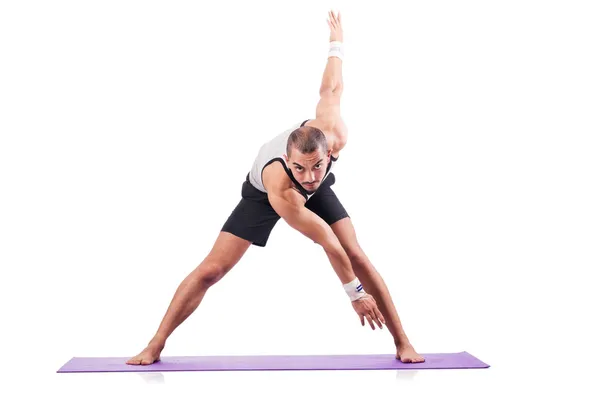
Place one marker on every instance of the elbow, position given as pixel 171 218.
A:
pixel 326 89
pixel 331 89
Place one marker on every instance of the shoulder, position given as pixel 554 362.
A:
pixel 278 184
pixel 275 178
pixel 335 131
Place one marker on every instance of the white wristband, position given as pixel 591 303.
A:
pixel 336 49
pixel 354 289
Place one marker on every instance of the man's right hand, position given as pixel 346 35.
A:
pixel 367 307
pixel 335 27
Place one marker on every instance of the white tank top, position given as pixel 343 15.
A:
pixel 274 150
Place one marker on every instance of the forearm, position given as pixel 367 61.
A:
pixel 341 263
pixel 290 206
pixel 332 76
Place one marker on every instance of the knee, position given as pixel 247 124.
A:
pixel 210 272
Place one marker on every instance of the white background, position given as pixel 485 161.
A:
pixel 471 173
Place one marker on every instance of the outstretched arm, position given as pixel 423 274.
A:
pixel 332 77
pixel 328 116
pixel 290 206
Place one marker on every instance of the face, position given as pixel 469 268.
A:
pixel 308 168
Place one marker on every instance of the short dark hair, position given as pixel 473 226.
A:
pixel 306 139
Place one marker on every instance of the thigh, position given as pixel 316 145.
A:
pixel 226 252
pixel 326 204
pixel 253 218
pixel 228 249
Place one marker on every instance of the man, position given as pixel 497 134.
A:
pixel 291 179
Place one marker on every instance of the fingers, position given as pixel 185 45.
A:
pixel 375 314
pixel 334 20
pixel 370 320
pixel 362 319
pixel 380 316
pixel 367 308
pixel 377 317
pixel 377 320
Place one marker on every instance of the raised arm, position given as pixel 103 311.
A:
pixel 328 116
pixel 332 82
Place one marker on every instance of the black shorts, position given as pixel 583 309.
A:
pixel 254 217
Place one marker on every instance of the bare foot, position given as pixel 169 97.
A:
pixel 407 354
pixel 148 356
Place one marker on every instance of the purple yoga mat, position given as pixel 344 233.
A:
pixel 265 363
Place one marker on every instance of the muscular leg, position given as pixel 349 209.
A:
pixel 226 252
pixel 374 285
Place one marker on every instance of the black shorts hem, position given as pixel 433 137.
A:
pixel 243 236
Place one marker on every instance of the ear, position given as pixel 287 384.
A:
pixel 286 157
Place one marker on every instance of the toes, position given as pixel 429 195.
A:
pixel 410 360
